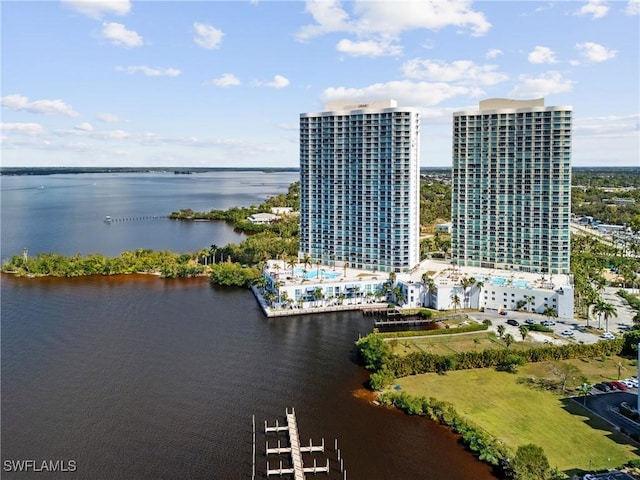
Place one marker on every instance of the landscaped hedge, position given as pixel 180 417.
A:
pixel 423 362
pixel 378 356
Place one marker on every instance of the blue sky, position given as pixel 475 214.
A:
pixel 222 83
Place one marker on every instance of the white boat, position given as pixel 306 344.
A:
pixel 107 219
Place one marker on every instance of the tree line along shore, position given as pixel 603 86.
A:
pixel 240 264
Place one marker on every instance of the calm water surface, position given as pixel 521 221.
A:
pixel 141 378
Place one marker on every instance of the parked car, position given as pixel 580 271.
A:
pixel 528 321
pixel 630 382
pixel 618 385
pixel 513 322
pixel 547 323
pixel 608 336
pixel 567 333
pixel 603 387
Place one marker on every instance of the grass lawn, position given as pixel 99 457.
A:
pixel 518 414
pixel 447 344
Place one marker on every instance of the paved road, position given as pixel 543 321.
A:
pixel 604 405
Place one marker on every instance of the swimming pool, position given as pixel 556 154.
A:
pixel 313 273
pixel 503 281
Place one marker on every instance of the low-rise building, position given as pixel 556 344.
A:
pixel 433 284
pixel 263 218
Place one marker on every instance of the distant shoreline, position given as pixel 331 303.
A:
pixel 173 170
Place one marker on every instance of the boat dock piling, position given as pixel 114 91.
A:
pixel 293 448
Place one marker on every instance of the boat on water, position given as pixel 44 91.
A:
pixel 107 219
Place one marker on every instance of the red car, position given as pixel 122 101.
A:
pixel 618 385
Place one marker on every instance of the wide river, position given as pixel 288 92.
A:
pixel 142 378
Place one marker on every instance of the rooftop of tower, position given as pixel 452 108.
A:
pixel 342 105
pixel 506 105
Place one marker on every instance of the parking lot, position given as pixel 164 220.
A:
pixel 574 329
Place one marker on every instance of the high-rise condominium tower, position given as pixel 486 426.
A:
pixel 359 185
pixel 511 198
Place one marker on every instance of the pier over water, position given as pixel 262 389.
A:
pixel 294 463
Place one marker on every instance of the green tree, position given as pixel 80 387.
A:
pixel 550 312
pixel 524 331
pixel 508 339
pixel 530 463
pixel 605 309
pixel 374 350
pixel 455 301
pixel 501 329
pixel 318 295
pixel 530 299
pixel 564 371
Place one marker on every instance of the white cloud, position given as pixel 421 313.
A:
pixel 330 17
pixel 368 48
pixel 278 82
pixel 226 80
pixel 633 7
pixel 405 92
pixel 84 127
pixel 207 36
pixel 149 72
pixel 31 129
pixel 595 8
pixel 46 107
pixel 118 35
pixel 96 8
pixel 611 126
pixel 460 71
pixel 541 86
pixel 594 52
pixel 108 117
pixel 493 53
pixel 542 55
pixel 389 19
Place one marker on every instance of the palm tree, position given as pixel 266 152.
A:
pixel 291 262
pixel 501 329
pixel 466 282
pixel 523 331
pixel 550 312
pixel 356 291
pixel 346 265
pixel 607 310
pixel 530 299
pixel 269 296
pixel 455 301
pixel 430 285
pixel 306 260
pixel 284 297
pixel 318 295
pixel 260 282
pixel 213 250
pixel 508 339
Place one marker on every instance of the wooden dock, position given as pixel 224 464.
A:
pixel 389 322
pixel 295 450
